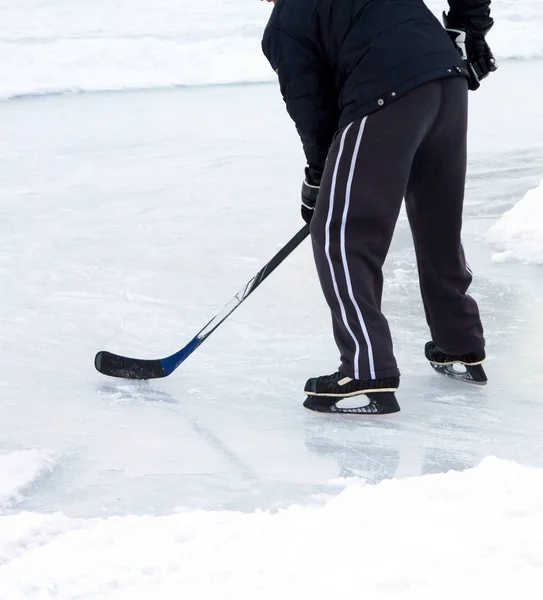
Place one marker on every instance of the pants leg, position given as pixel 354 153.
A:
pixel 434 203
pixel 361 194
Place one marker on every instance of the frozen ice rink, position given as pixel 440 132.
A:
pixel 127 220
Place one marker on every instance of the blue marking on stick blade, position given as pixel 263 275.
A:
pixel 171 363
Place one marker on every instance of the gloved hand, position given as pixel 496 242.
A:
pixel 473 48
pixel 310 191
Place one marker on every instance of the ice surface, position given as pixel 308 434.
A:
pixel 126 221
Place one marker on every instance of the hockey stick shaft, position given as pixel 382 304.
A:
pixel 134 368
pixel 172 363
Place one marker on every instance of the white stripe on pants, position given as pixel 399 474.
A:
pixel 344 252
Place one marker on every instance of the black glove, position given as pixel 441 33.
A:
pixel 310 191
pixel 473 48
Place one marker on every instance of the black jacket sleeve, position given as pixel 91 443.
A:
pixel 307 89
pixel 474 14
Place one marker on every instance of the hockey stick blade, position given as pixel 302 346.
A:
pixel 116 365
pixel 127 368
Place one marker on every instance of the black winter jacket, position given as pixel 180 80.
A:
pixel 339 60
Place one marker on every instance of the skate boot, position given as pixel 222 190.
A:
pixel 324 392
pixel 463 367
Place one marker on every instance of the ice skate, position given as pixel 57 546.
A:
pixel 323 394
pixel 463 367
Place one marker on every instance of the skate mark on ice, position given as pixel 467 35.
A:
pixel 411 461
pixel 138 391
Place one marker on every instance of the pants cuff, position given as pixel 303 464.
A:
pixel 473 346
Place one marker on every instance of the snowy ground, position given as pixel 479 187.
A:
pixel 452 536
pixel 126 221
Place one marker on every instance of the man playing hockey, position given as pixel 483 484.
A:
pixel 378 93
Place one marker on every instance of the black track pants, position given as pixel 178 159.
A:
pixel 414 148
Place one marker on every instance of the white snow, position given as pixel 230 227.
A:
pixel 476 534
pixel 68 47
pixel 86 65
pixel 519 232
pixel 19 471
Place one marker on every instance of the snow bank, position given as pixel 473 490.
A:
pixel 120 61
pixel 19 470
pixel 516 40
pixel 476 534
pixel 519 232
pixel 105 64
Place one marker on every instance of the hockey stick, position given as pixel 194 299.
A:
pixel 115 365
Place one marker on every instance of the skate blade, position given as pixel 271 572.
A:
pixel 473 373
pixel 380 404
